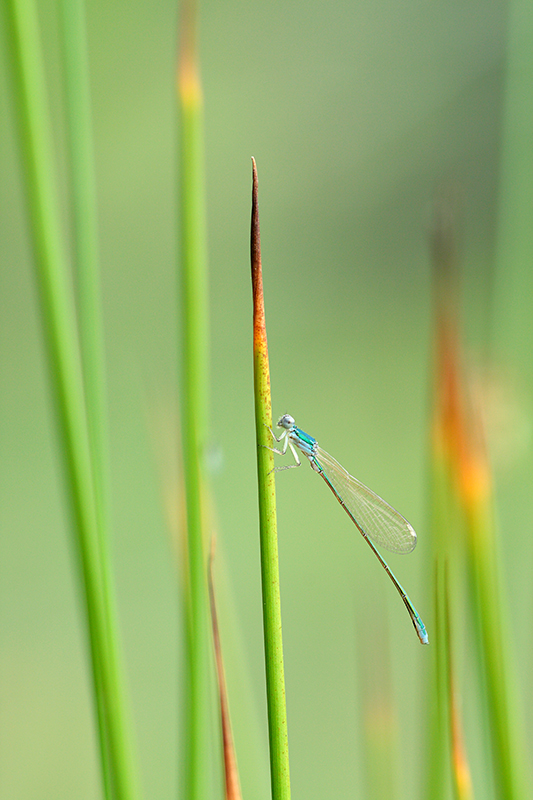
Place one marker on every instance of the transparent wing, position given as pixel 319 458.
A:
pixel 380 521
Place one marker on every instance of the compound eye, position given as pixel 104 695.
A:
pixel 286 421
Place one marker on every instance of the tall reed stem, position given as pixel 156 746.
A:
pixel 61 336
pixel 194 383
pixel 277 713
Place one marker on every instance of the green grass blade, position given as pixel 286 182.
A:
pixel 231 772
pixel 466 543
pixel 86 262
pixel 63 353
pixel 194 383
pixel 462 780
pixel 445 516
pixel 512 345
pixel 506 727
pixel 277 713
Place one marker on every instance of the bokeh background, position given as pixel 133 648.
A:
pixel 359 115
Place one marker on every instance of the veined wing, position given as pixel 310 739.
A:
pixel 380 521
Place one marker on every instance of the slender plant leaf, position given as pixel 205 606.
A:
pixel 61 337
pixel 277 712
pixel 231 774
pixel 462 778
pixel 86 262
pixel 466 488
pixel 446 521
pixel 506 727
pixel 194 391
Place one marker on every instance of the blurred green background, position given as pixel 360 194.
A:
pixel 358 116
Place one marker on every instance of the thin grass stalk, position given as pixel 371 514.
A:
pixel 445 517
pixel 231 772
pixel 61 338
pixel 448 766
pixel 85 239
pixel 194 383
pixel 462 780
pixel 470 493
pixel 460 438
pixel 438 774
pixel 86 263
pixel 85 258
pixel 506 729
pixel 275 680
pixel 511 345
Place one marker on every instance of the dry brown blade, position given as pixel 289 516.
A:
pixel 233 789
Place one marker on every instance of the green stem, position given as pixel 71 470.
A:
pixel 194 402
pixel 82 172
pixel 63 352
pixel 275 680
pixel 506 729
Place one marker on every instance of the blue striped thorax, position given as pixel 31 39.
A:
pixel 305 442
